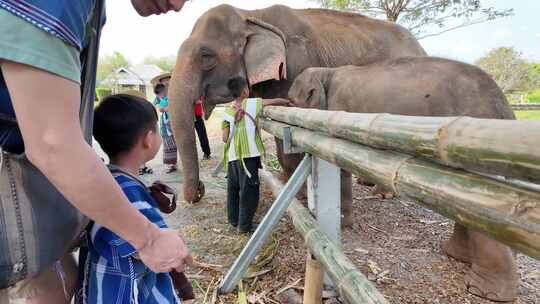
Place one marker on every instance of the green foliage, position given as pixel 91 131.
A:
pixel 533 96
pixel 527 115
pixel 166 63
pixel 533 78
pixel 507 68
pixel 420 15
pixel 108 64
pixel 102 93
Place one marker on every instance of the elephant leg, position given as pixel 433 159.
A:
pixel 493 274
pixel 289 163
pixel 346 199
pixel 458 244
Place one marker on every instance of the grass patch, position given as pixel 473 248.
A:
pixel 527 115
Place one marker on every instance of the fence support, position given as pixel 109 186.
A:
pixel 351 284
pixel 264 229
pixel 313 281
pixel 324 200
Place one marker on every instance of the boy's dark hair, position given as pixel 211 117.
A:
pixel 236 85
pixel 120 120
pixel 159 88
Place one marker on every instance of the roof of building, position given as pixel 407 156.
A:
pixel 140 74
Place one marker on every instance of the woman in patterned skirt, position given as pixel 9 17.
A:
pixel 170 152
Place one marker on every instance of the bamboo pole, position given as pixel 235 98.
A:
pixel 505 212
pixel 350 283
pixel 501 147
pixel 313 285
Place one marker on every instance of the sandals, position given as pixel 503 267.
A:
pixel 145 170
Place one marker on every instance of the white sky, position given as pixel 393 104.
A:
pixel 138 37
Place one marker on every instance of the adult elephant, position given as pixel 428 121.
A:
pixel 424 86
pixel 269 47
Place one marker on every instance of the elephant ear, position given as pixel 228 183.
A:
pixel 265 53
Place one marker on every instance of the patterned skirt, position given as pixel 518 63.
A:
pixel 170 152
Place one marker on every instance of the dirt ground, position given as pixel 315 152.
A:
pixel 395 243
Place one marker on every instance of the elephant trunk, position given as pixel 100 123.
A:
pixel 184 90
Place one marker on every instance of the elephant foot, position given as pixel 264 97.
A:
pixel 491 286
pixel 458 245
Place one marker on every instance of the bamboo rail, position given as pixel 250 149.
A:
pixel 350 282
pixel 501 147
pixel 505 212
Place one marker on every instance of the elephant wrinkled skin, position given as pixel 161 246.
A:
pixel 269 47
pixel 424 86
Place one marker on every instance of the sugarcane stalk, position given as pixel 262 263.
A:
pixel 505 212
pixel 509 148
pixel 350 283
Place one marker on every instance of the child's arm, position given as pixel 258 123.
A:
pixel 276 102
pixel 225 135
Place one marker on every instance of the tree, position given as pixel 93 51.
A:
pixel 424 18
pixel 533 79
pixel 507 68
pixel 166 63
pixel 108 64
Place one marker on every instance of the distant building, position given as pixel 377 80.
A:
pixel 134 78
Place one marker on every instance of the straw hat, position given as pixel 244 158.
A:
pixel 160 77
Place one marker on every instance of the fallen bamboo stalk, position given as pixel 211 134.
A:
pixel 505 212
pixel 350 282
pixel 494 146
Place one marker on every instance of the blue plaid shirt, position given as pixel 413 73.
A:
pixel 111 273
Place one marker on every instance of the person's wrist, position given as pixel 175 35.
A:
pixel 145 240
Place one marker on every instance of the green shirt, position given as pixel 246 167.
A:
pixel 244 139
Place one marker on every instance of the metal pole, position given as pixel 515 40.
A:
pixel 324 200
pixel 271 218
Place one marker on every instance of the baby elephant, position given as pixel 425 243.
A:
pixel 422 86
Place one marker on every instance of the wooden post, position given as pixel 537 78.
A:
pixel 313 286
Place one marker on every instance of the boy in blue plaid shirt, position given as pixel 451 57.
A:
pixel 126 128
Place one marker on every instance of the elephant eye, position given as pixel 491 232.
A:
pixel 208 60
pixel 310 94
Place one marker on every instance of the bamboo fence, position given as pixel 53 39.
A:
pixel 505 212
pixel 350 282
pixel 500 147
pixel 525 106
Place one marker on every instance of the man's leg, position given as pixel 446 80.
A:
pixel 203 137
pixel 233 198
pixel 249 193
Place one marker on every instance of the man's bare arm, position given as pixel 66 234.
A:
pixel 276 102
